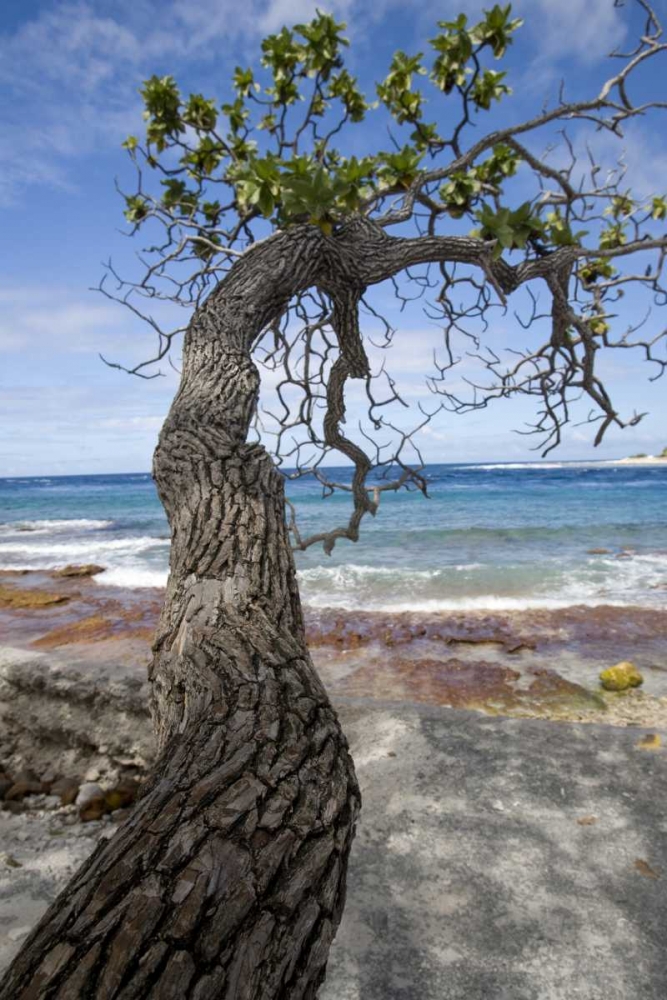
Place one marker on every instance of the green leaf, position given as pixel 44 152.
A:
pixel 659 208
pixel 200 113
pixel 459 193
pixel 212 210
pixel 265 200
pixel 344 87
pixel 593 270
pixel 489 87
pixel 512 229
pixel 621 206
pixel 496 29
pixel 203 160
pixel 323 42
pixel 396 92
pixel 454 47
pixel 136 209
pixel 163 103
pixel 613 237
pixel 237 113
pixel 560 233
pixel 243 81
pixel 401 167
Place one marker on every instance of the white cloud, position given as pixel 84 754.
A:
pixel 587 29
pixel 87 429
pixel 68 321
pixel 72 71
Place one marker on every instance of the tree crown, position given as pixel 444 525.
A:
pixel 485 217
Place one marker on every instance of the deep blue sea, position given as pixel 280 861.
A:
pixel 490 536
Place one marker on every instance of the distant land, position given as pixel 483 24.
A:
pixel 642 459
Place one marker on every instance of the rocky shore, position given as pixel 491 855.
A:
pixel 76 739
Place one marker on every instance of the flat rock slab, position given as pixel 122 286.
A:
pixel 473 876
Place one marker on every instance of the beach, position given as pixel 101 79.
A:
pixel 507 590
pixel 501 598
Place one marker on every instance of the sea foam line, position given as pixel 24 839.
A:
pixel 55 525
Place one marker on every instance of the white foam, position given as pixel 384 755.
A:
pixel 636 580
pixel 56 525
pixel 134 577
pixel 487 602
pixel 90 548
pixel 495 466
pixel 348 574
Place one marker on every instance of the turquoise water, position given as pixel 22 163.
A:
pixel 501 536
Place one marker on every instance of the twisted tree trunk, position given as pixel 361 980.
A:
pixel 228 879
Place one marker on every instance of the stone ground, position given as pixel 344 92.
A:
pixel 496 859
pixel 503 859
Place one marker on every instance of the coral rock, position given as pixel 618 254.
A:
pixel 621 677
pixel 87 792
pixel 25 783
pixel 89 569
pixel 11 597
pixel 67 789
pixel 123 795
pixel 93 809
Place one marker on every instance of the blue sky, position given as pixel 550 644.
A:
pixel 69 76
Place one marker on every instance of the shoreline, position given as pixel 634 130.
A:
pixel 74 703
pixel 629 459
pixel 637 460
pixel 534 662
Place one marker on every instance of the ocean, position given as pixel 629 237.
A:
pixel 502 536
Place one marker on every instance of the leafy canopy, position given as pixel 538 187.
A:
pixel 493 210
pixel 269 151
pixel 270 148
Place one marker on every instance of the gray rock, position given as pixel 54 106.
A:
pixel 87 792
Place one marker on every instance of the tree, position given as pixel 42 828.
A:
pixel 228 879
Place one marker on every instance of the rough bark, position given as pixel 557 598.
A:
pixel 228 879
pixel 227 882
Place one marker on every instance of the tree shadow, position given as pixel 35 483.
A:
pixel 473 875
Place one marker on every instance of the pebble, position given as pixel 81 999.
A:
pixel 36 801
pixel 88 791
pixel 9 861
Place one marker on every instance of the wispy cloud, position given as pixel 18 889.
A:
pixel 62 322
pixel 587 30
pixel 70 73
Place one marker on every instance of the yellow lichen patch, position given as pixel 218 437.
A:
pixel 649 742
pixel 13 597
pixel 621 677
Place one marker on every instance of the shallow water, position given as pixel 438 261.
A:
pixel 490 536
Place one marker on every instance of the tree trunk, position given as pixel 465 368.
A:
pixel 228 879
